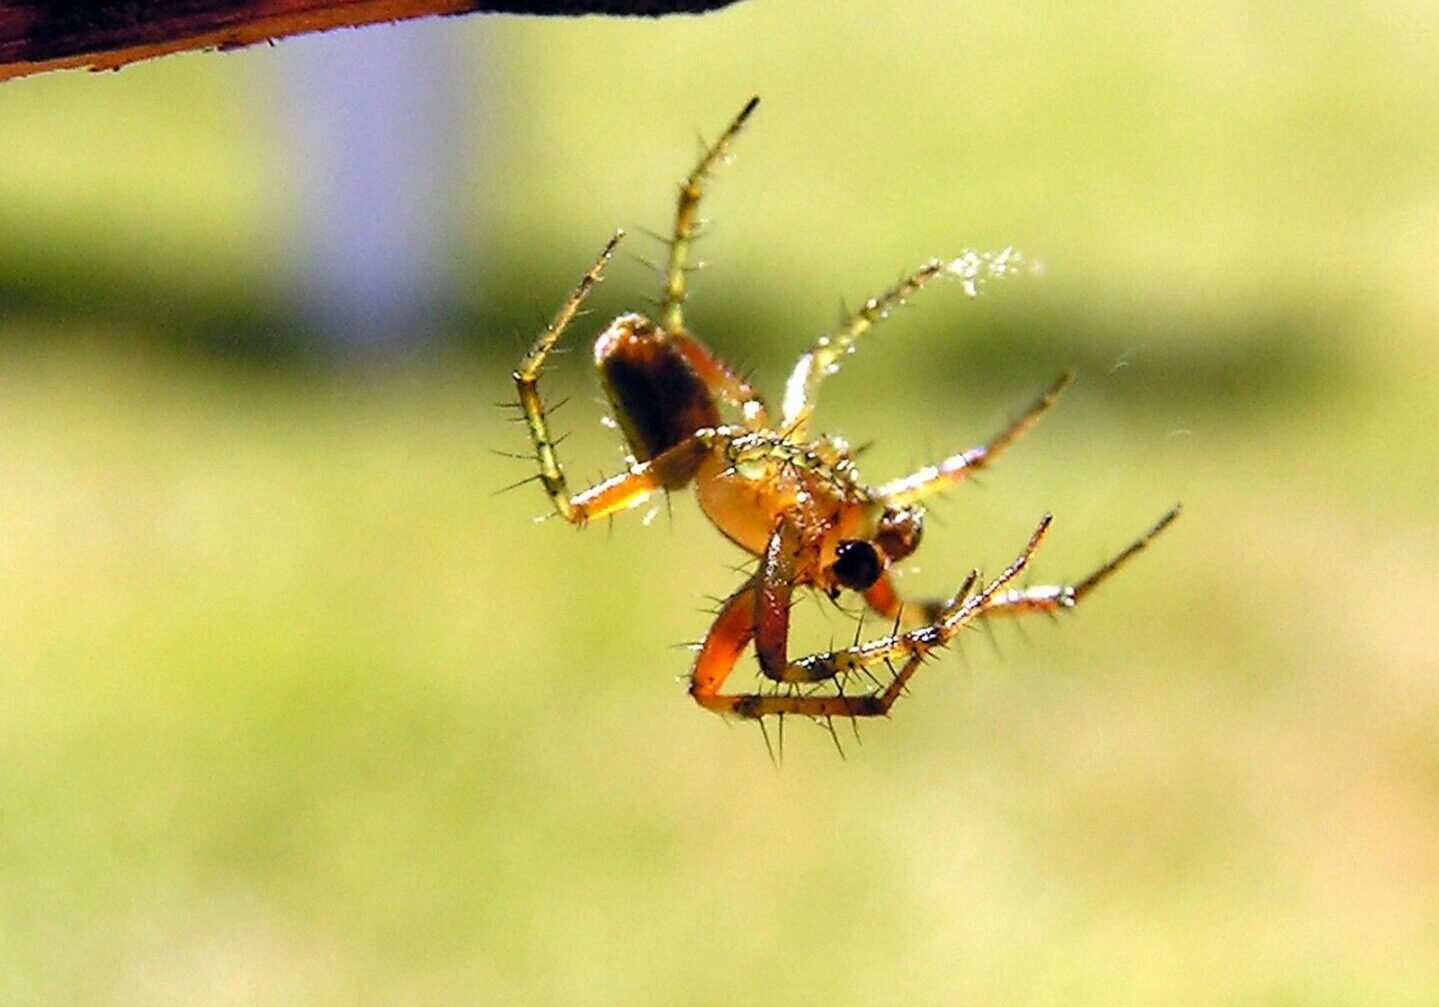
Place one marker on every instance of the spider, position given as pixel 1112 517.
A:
pixel 794 502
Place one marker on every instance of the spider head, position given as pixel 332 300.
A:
pixel 859 563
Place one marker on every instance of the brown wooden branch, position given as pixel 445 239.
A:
pixel 37 35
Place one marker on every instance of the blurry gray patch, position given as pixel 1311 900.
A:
pixel 370 117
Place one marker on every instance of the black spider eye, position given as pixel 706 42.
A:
pixel 856 564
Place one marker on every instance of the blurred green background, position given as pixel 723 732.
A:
pixel 297 711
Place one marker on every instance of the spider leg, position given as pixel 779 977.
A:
pixel 881 597
pixel 822 359
pixel 735 627
pixel 672 310
pixel 775 582
pixel 934 479
pixel 670 469
pixel 1054 597
pixel 527 382
pixel 667 470
pixel 727 638
pixel 722 380
pixel 759 611
pixel 952 617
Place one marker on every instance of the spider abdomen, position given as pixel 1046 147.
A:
pixel 657 397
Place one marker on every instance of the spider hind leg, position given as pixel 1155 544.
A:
pixel 691 191
pixel 669 468
pixel 527 382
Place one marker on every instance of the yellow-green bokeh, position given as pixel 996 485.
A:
pixel 298 711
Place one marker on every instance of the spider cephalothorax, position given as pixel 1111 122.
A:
pixel 796 503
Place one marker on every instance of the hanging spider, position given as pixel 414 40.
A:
pixel 795 503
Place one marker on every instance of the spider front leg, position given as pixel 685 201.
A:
pixel 727 638
pixel 759 611
pixel 1055 597
pixel 883 599
pixel 910 649
pixel 735 627
pixel 775 580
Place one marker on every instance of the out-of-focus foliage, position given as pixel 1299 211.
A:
pixel 297 711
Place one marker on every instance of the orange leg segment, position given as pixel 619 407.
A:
pixel 882 598
pixel 669 469
pixel 776 588
pixel 722 380
pixel 731 633
pixel 726 641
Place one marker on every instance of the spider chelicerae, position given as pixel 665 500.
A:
pixel 795 503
